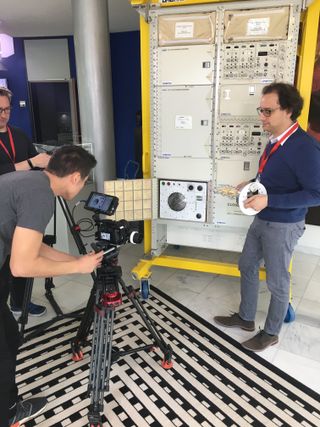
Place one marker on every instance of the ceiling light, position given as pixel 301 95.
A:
pixel 6 46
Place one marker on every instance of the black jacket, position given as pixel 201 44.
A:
pixel 23 146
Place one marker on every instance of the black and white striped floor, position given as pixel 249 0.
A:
pixel 213 382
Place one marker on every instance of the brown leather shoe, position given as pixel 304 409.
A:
pixel 235 321
pixel 260 342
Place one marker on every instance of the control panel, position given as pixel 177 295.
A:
pixel 254 61
pixel 238 141
pixel 183 200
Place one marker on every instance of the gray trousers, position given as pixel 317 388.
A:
pixel 274 243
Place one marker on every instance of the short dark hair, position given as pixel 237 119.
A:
pixel 69 159
pixel 289 97
pixel 5 92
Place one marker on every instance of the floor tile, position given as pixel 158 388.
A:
pixel 301 368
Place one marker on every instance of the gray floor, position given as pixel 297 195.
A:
pixel 297 353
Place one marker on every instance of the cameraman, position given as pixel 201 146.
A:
pixel 17 153
pixel 27 204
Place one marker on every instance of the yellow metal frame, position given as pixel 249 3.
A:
pixel 142 269
pixel 307 55
pixel 146 132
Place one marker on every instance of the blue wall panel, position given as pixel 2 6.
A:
pixel 125 59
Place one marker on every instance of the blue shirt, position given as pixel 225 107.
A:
pixel 292 179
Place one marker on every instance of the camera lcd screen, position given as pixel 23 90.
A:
pixel 102 203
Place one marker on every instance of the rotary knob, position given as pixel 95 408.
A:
pixel 177 202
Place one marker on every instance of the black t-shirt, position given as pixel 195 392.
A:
pixel 23 146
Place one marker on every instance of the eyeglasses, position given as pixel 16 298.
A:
pixel 266 111
pixel 5 110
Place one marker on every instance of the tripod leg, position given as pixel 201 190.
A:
pixel 151 326
pixel 84 328
pixel 48 284
pixel 23 319
pixel 100 362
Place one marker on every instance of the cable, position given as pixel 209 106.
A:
pixel 85 220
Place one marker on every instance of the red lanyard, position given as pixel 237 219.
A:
pixel 13 149
pixel 265 157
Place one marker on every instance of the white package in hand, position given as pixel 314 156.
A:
pixel 248 191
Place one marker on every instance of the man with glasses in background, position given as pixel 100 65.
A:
pixel 17 153
pixel 289 169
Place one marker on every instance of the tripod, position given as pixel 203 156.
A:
pixel 107 298
pixel 104 298
pixel 51 240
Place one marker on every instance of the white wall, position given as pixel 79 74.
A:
pixel 47 59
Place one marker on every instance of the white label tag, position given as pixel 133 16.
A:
pixel 226 94
pixel 252 90
pixel 165 155
pixel 183 122
pixel 184 30
pixel 258 27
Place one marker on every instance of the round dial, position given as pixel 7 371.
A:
pixel 177 201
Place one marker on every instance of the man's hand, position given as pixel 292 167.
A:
pixel 41 160
pixel 88 263
pixel 257 202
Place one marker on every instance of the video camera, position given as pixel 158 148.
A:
pixel 111 232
